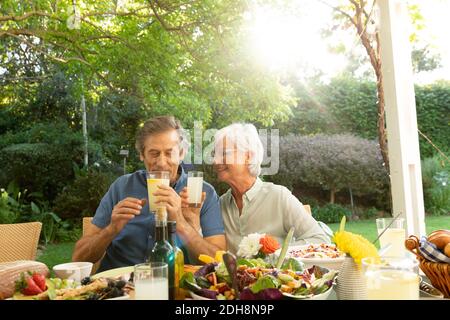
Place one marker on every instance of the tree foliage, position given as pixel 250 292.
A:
pixel 173 57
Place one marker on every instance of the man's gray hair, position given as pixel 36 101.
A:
pixel 246 138
pixel 158 125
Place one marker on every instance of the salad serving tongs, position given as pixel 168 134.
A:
pixel 284 248
pixel 231 264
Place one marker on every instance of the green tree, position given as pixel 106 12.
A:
pixel 173 57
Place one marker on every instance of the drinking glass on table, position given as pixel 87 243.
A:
pixel 391 278
pixel 155 178
pixel 151 281
pixel 195 187
pixel 395 235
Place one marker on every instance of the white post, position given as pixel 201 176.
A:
pixel 401 120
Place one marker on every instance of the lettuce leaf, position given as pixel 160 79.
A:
pixel 188 282
pixel 293 264
pixel 265 282
pixel 252 262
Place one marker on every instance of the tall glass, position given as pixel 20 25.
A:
pixel 151 281
pixel 195 187
pixel 394 235
pixel 391 278
pixel 154 178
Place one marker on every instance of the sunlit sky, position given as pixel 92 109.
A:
pixel 287 39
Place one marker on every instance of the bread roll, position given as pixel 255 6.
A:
pixel 11 271
pixel 447 250
pixel 440 238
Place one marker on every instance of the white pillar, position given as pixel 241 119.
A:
pixel 401 120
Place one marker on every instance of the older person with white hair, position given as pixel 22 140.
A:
pixel 251 205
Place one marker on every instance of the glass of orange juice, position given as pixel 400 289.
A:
pixel 391 278
pixel 155 178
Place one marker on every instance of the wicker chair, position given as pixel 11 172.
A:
pixel 307 208
pixel 87 223
pixel 19 241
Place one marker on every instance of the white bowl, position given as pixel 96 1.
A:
pixel 322 296
pixel 329 263
pixel 73 270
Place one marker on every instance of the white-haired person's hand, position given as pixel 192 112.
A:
pixel 191 214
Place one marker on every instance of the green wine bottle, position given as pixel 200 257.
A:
pixel 179 293
pixel 162 251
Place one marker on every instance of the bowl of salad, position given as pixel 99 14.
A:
pixel 257 280
pixel 323 255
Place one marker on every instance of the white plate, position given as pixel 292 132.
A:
pixel 114 273
pixel 197 297
pixel 322 296
pixel 124 297
pixel 329 263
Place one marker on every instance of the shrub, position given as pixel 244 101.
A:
pixel 9 208
pixel 68 234
pixel 37 167
pixel 50 221
pixel 435 182
pixel 368 213
pixel 41 158
pixel 348 105
pixel 332 163
pixel 82 197
pixel 331 213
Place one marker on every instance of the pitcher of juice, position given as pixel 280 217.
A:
pixel 391 278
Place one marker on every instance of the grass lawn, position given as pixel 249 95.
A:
pixel 368 229
pixel 54 254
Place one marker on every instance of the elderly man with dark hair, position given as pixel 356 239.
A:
pixel 251 205
pixel 123 228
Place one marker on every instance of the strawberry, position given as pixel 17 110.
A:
pixel 32 288
pixel 27 285
pixel 39 279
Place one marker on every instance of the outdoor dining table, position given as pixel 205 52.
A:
pixel 118 272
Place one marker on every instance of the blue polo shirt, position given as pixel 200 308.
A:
pixel 132 244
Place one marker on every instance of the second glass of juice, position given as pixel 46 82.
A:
pixel 195 187
pixel 395 235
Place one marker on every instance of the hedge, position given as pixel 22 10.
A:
pixel 348 105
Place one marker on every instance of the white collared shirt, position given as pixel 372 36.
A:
pixel 271 209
